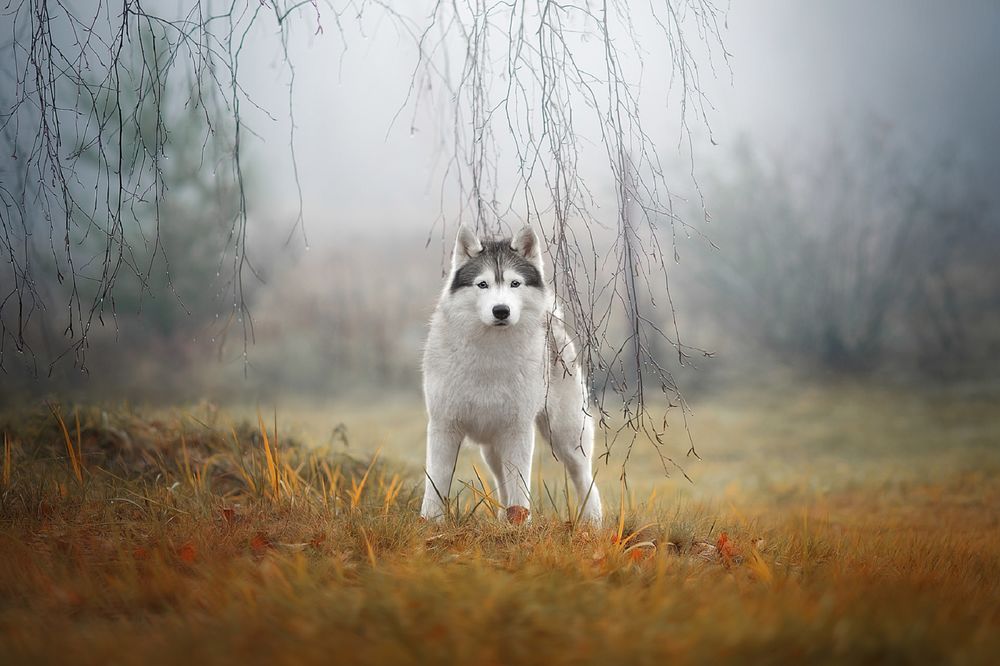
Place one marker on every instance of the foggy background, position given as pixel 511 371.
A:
pixel 850 191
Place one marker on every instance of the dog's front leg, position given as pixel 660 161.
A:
pixel 517 453
pixel 443 442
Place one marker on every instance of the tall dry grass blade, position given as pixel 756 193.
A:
pixel 368 546
pixel 271 459
pixel 392 492
pixel 464 512
pixel 756 564
pixel 291 477
pixel 199 477
pixel 79 436
pixel 583 504
pixel 6 460
pixel 634 534
pixel 569 507
pixel 186 459
pixel 621 514
pixel 552 501
pixel 73 460
pixel 486 488
pixel 358 488
pixel 538 478
pixel 333 478
pixel 446 501
pixel 481 497
pixel 247 475
pixel 640 544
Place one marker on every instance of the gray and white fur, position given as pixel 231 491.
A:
pixel 498 361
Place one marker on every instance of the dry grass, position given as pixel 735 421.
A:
pixel 127 539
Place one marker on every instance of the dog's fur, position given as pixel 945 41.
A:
pixel 498 361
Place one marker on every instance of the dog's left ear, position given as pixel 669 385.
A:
pixel 526 244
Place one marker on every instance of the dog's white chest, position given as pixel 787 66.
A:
pixel 486 390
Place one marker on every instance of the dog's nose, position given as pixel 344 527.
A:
pixel 501 311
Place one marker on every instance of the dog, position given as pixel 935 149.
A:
pixel 497 362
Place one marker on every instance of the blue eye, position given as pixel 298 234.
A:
pixel 515 284
pixel 482 285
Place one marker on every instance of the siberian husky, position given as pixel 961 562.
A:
pixel 498 361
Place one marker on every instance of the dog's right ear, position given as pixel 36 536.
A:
pixel 467 245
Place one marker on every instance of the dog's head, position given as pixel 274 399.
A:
pixel 500 279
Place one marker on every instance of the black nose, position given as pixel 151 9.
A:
pixel 501 311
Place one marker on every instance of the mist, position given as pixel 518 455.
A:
pixel 797 75
pixel 354 210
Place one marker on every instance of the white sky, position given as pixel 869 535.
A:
pixel 801 70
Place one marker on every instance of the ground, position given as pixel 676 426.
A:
pixel 841 523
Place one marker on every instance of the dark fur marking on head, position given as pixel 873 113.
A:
pixel 466 273
pixel 498 255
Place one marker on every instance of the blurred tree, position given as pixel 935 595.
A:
pixel 177 217
pixel 189 227
pixel 856 258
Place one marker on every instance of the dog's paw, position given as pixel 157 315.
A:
pixel 518 515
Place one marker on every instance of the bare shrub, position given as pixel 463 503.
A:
pixel 869 254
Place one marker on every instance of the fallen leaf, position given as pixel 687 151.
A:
pixel 517 515
pixel 726 547
pixel 187 553
pixel 638 554
pixel 259 543
pixel 437 633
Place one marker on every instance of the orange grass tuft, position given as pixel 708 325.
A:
pixel 73 452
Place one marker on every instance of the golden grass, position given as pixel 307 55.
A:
pixel 218 544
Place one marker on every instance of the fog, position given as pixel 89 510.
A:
pixel 800 73
pixel 838 196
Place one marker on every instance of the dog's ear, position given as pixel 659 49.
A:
pixel 466 245
pixel 526 244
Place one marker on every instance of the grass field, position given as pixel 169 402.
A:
pixel 829 524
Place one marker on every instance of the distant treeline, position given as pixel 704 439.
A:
pixel 870 255
pixel 866 257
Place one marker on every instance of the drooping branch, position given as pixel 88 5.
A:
pixel 86 119
pixel 537 104
pixel 546 116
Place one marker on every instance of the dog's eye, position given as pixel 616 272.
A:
pixel 482 285
pixel 515 284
